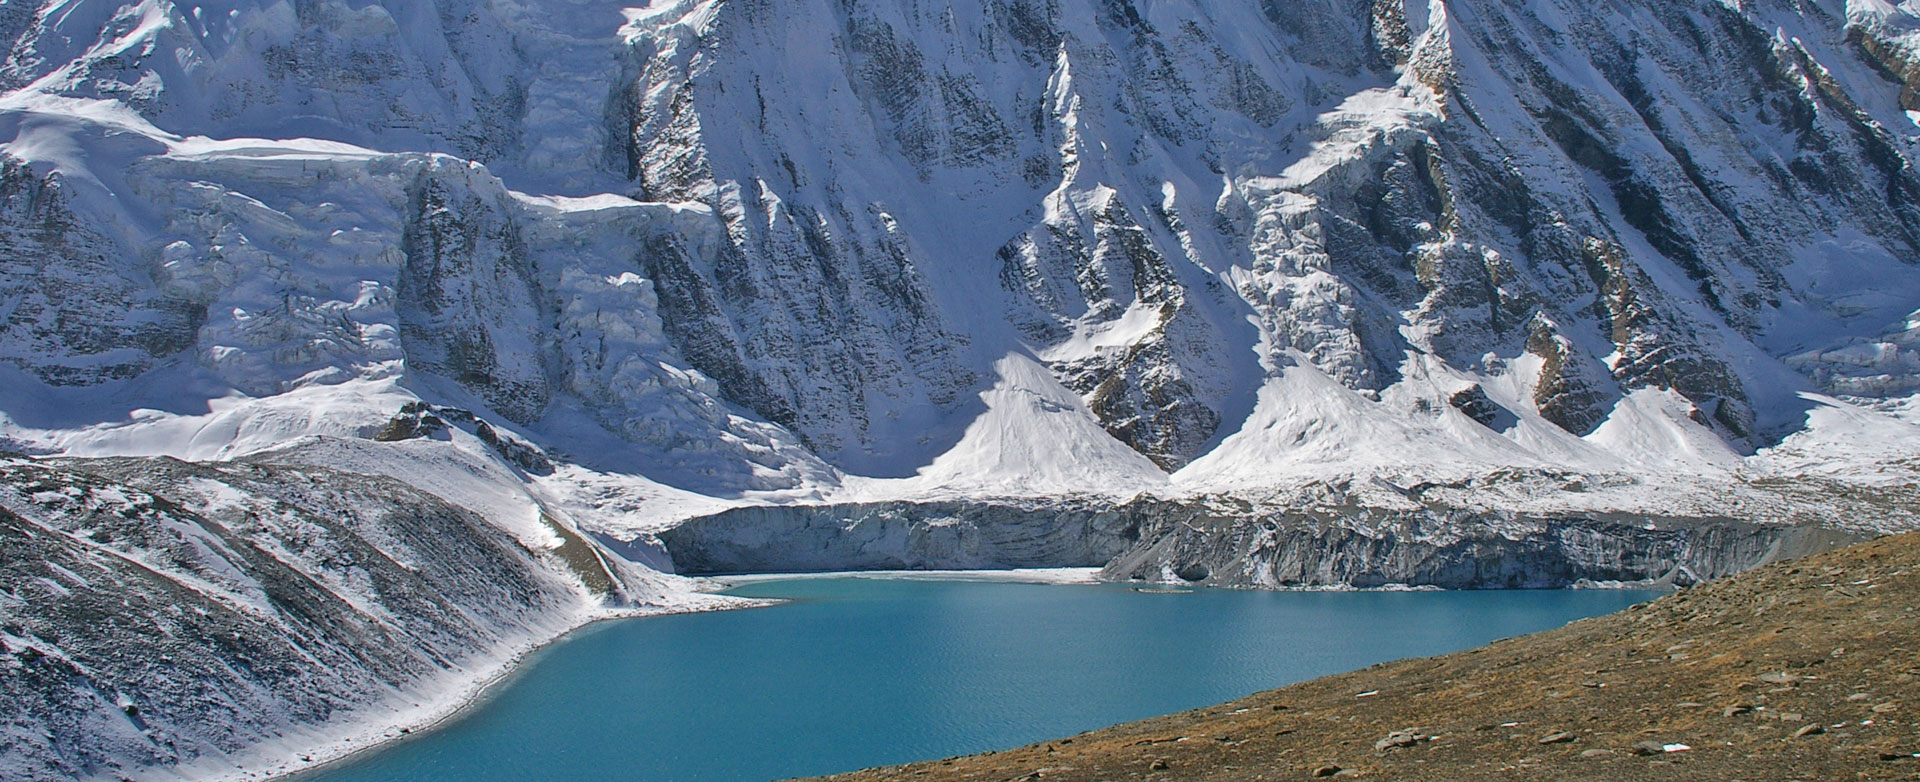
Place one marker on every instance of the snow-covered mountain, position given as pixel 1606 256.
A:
pixel 782 248
pixel 1262 293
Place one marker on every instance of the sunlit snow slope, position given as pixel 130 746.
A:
pixel 777 246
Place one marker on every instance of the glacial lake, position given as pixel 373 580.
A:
pixel 857 672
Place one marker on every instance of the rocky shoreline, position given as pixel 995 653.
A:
pixel 1806 669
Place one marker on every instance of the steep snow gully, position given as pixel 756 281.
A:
pixel 349 348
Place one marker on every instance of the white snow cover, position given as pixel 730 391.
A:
pixel 235 220
pixel 1035 439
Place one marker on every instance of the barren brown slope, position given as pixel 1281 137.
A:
pixel 1808 669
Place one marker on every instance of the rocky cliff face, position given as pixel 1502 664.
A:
pixel 77 314
pixel 835 217
pixel 1555 194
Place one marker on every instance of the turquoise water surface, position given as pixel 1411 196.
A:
pixel 857 672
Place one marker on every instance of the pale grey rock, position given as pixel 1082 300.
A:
pixel 1372 547
pixel 1171 541
pixel 899 536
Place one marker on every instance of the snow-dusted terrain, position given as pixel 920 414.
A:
pixel 1263 293
pixel 171 618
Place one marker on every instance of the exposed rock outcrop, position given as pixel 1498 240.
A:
pixel 161 612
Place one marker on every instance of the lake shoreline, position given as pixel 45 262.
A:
pixel 578 708
pixel 1085 576
pixel 286 761
pixel 1065 576
pixel 290 763
pixel 1803 666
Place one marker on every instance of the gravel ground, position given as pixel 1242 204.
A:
pixel 1807 669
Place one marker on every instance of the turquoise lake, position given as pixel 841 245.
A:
pixel 856 672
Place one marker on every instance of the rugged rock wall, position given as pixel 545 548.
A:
pixel 1591 199
pixel 856 207
pixel 77 313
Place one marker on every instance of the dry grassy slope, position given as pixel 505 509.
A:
pixel 1808 669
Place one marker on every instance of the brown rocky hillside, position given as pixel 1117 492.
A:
pixel 1806 669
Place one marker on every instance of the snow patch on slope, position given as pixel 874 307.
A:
pixel 1035 439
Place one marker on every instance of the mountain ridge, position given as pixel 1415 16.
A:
pixel 1379 242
